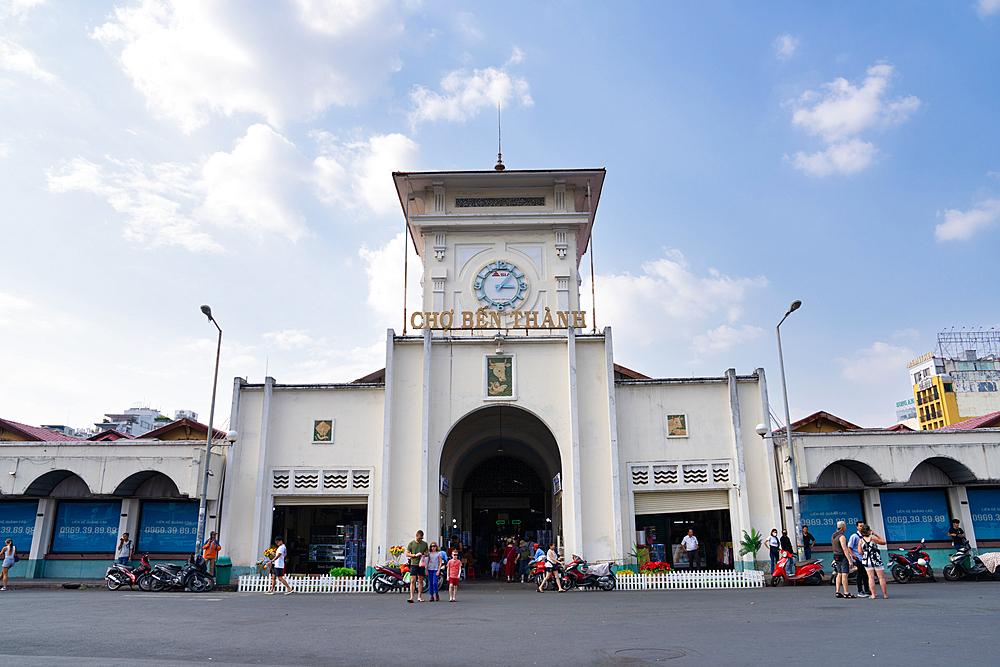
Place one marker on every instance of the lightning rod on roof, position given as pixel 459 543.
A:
pixel 499 165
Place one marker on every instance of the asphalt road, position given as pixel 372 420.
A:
pixel 504 625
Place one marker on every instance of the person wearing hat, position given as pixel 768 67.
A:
pixel 210 552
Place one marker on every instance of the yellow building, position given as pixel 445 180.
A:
pixel 937 405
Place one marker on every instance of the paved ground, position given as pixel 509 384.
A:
pixel 500 624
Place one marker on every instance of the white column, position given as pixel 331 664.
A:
pixel 41 537
pixel 575 537
pixel 772 470
pixel 129 520
pixel 425 435
pixel 229 474
pixel 262 513
pixel 958 505
pixel 619 548
pixel 375 553
pixel 871 499
pixel 743 502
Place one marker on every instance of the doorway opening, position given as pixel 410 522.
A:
pixel 663 534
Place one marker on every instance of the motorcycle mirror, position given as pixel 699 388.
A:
pixel 922 540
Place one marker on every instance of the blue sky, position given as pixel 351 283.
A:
pixel 159 155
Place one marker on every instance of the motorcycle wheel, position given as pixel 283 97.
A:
pixel 156 585
pixel 609 583
pixel 145 582
pixel 380 586
pixel 901 575
pixel 775 581
pixel 568 584
pixel 815 579
pixel 950 572
pixel 114 582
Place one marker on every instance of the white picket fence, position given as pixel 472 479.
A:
pixel 254 583
pixel 698 579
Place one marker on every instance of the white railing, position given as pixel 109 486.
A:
pixel 255 583
pixel 698 579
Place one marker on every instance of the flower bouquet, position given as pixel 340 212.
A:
pixel 655 567
pixel 265 562
pixel 396 552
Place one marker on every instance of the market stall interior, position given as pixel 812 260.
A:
pixel 662 534
pixel 322 537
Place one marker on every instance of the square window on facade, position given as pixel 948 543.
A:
pixel 323 430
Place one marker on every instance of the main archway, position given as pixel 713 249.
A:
pixel 500 462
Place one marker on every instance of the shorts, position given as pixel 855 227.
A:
pixel 874 568
pixel 453 581
pixel 418 571
pixel 841 565
pixel 495 566
pixel 278 571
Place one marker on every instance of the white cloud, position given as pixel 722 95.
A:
pixel 18 7
pixel 192 59
pixel 987 7
pixel 466 94
pixel 290 339
pixel 876 363
pixel 255 189
pixel 963 225
pixel 784 46
pixel 841 113
pixel 723 338
pixel 673 302
pixel 14 57
pixel 384 267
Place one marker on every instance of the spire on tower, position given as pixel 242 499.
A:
pixel 499 165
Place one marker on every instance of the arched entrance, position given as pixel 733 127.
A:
pixel 500 462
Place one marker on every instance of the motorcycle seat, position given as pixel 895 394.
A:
pixel 803 563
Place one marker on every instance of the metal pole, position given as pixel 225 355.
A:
pixel 796 517
pixel 203 503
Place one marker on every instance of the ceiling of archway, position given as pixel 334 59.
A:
pixel 503 474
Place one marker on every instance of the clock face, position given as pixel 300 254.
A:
pixel 501 285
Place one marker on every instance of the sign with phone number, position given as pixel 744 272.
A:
pixel 912 515
pixel 86 527
pixel 985 507
pixel 168 527
pixel 18 519
pixel 822 511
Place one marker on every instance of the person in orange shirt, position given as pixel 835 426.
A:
pixel 211 552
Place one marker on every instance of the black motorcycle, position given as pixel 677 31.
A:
pixel 193 576
pixel 964 565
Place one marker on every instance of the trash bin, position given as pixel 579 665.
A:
pixel 223 570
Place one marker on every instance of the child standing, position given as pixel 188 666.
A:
pixel 454 572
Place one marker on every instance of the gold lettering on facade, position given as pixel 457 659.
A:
pixel 413 320
pixel 485 319
pixel 450 314
pixel 547 320
pixel 431 320
pixel 563 318
pixel 495 322
pixel 480 319
pixel 580 319
pixel 531 319
pixel 517 317
pixel 466 319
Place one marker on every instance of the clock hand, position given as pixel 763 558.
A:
pixel 502 284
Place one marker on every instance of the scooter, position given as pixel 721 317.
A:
pixel 193 576
pixel 550 585
pixel 123 575
pixel 960 567
pixel 915 564
pixel 808 571
pixel 579 574
pixel 386 578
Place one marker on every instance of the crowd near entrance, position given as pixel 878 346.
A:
pixel 322 537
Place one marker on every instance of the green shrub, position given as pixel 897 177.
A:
pixel 343 572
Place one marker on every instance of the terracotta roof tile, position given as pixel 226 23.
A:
pixel 37 433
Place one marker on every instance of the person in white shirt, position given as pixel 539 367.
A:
pixel 690 544
pixel 125 549
pixel 278 567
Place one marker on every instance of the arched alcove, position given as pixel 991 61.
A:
pixel 58 484
pixel 940 471
pixel 147 484
pixel 848 474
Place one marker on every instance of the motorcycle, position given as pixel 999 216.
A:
pixel 579 574
pixel 808 571
pixel 124 575
pixel 915 564
pixel 539 573
pixel 960 567
pixel 385 579
pixel 193 576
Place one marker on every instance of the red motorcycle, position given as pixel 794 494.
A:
pixel 808 571
pixel 916 564
pixel 385 579
pixel 123 575
pixel 579 574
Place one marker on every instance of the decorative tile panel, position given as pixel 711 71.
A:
pixel 696 474
pixel 640 476
pixel 362 478
pixel 279 480
pixel 490 202
pixel 334 479
pixel 681 475
pixel 321 482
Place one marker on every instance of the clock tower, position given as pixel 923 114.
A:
pixel 507 243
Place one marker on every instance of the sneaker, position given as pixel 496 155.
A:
pixel 269 593
pixel 289 592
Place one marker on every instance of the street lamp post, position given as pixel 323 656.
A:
pixel 203 504
pixel 796 518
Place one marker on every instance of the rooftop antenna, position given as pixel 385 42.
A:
pixel 499 165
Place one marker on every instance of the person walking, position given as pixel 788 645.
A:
pixel 9 554
pixel 872 558
pixel 454 566
pixel 841 559
pixel 690 544
pixel 510 560
pixel 551 563
pixel 278 567
pixel 123 554
pixel 523 558
pixel 772 545
pixel 855 545
pixel 415 551
pixel 807 542
pixel 435 557
pixel 210 552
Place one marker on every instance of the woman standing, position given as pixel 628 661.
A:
pixel 872 558
pixel 435 557
pixel 551 561
pixel 773 544
pixel 510 560
pixel 8 553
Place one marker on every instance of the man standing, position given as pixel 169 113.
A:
pixel 523 556
pixel 125 548
pixel 414 550
pixel 807 542
pixel 210 552
pixel 690 544
pixel 841 559
pixel 855 546
pixel 956 534
pixel 278 567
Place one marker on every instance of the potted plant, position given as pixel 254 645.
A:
pixel 751 544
